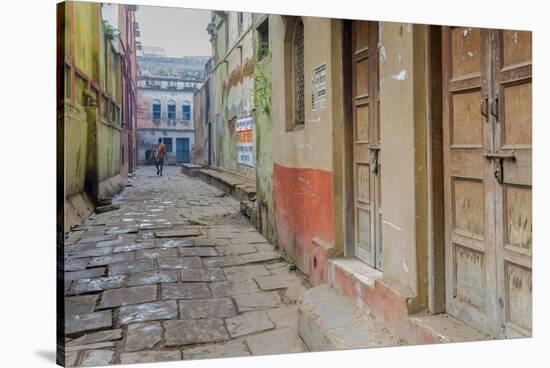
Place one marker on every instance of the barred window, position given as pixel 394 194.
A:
pixel 298 68
pixel 186 111
pixel 171 110
pixel 156 110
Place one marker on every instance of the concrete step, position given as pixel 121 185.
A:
pixel 328 320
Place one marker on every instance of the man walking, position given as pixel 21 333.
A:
pixel 161 152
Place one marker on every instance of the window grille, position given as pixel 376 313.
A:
pixel 298 63
pixel 186 112
pixel 171 110
pixel 156 110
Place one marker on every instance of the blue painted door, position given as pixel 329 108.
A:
pixel 182 150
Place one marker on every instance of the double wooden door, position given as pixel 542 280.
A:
pixel 487 178
pixel 366 142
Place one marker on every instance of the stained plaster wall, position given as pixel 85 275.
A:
pixel 91 136
pixel 303 157
pixel 232 87
pixel 403 122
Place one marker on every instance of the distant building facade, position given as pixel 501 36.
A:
pixel 165 104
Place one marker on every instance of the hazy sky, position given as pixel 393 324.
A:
pixel 182 32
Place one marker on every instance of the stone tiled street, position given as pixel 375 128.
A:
pixel 175 273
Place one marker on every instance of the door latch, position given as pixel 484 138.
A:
pixel 485 108
pixel 374 160
pixel 498 162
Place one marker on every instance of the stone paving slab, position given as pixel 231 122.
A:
pixel 249 323
pixel 150 356
pixel 282 341
pixel 98 345
pixel 233 288
pixel 245 272
pixel 259 257
pixel 95 337
pixel 148 312
pixel 156 253
pixel 179 263
pixel 134 246
pixel 201 275
pixel 207 308
pixel 184 290
pixel 152 277
pixel 236 249
pixel 286 316
pixel 226 261
pixel 97 284
pixel 186 332
pixel 86 322
pixel 198 251
pixel 96 239
pixel 80 304
pixel 85 274
pixel 175 243
pixel 232 349
pixel 121 230
pixel 127 296
pixel 94 358
pixel 257 301
pixel 76 264
pixel 114 258
pixel 183 233
pixel 92 252
pixel 111 243
pixel 123 268
pixel 277 281
pixel 142 336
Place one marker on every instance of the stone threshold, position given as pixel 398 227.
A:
pixel 393 305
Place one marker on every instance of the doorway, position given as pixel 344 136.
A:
pixel 361 76
pixel 182 150
pixel 487 178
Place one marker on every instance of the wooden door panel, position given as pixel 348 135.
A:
pixel 468 178
pixel 513 197
pixel 466 52
pixel 365 127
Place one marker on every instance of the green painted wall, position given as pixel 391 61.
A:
pixel 91 137
pixel 264 143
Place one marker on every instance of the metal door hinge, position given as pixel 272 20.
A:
pixel 495 108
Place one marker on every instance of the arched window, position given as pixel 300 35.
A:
pixel 156 110
pixel 186 111
pixel 171 110
pixel 298 72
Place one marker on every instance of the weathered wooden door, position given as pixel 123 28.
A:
pixel 366 138
pixel 487 158
pixel 513 206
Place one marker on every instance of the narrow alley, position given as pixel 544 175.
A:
pixel 175 273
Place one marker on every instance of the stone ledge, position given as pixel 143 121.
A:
pixel 240 187
pixel 190 169
pixel 393 305
pixel 328 321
